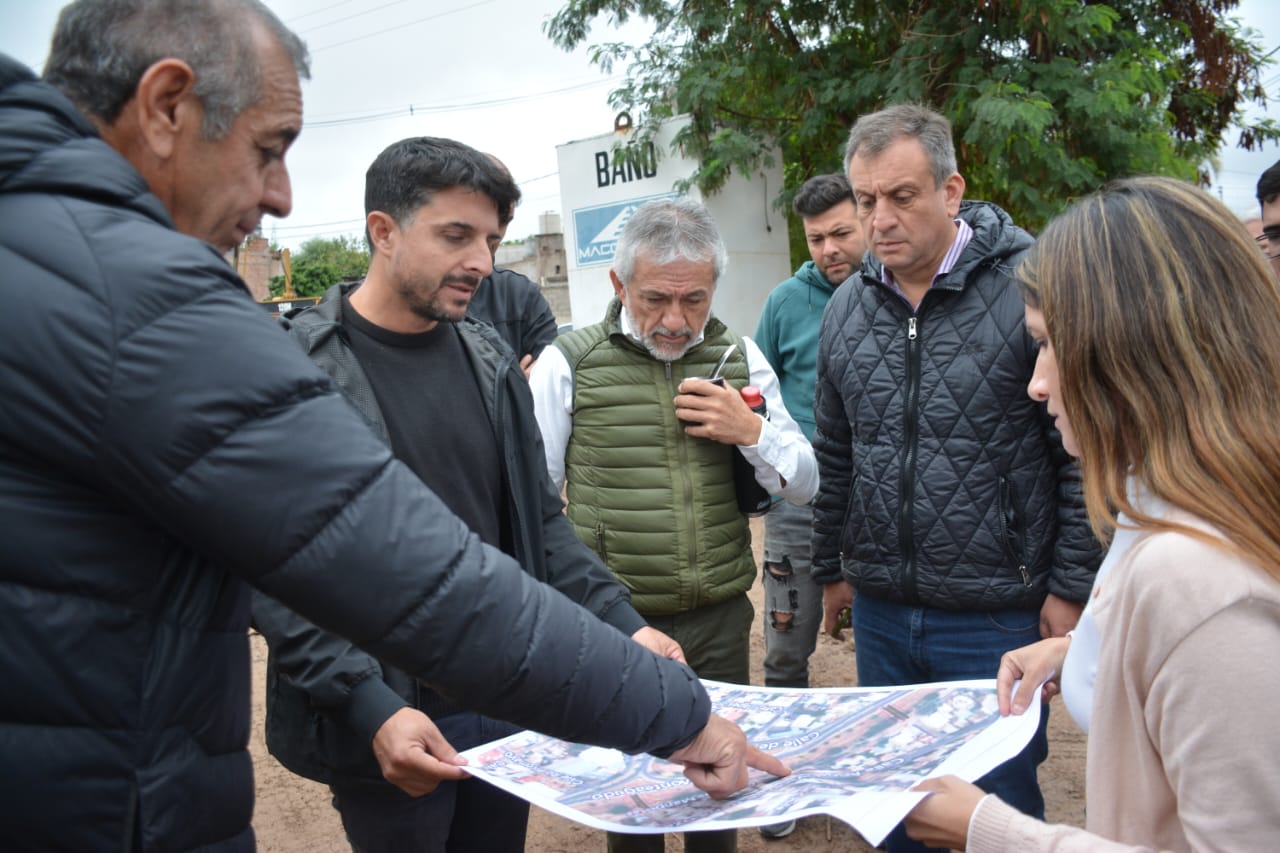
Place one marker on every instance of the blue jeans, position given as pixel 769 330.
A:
pixel 792 601
pixel 454 818
pixel 905 644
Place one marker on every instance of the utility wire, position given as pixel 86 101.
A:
pixel 351 16
pixel 310 227
pixel 413 109
pixel 403 25
pixel 317 11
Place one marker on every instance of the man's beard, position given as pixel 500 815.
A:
pixel 435 308
pixel 657 350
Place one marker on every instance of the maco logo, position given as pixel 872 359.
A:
pixel 597 229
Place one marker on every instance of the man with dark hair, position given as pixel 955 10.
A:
pixel 647 447
pixel 448 397
pixel 1269 198
pixel 947 500
pixel 787 335
pixel 164 447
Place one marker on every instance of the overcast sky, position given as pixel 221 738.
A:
pixel 482 72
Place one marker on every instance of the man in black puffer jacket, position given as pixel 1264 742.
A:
pixel 946 500
pixel 164 446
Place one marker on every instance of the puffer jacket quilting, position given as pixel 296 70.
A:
pixel 943 483
pixel 161 443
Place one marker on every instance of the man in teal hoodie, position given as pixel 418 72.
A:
pixel 788 337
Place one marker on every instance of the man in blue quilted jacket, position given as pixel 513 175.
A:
pixel 946 500
pixel 164 447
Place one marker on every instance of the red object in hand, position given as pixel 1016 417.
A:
pixel 754 399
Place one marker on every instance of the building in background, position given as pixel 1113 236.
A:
pixel 541 258
pixel 600 190
pixel 256 263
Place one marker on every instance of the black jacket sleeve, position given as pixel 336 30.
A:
pixel 831 446
pixel 1077 553
pixel 540 326
pixel 514 305
pixel 250 456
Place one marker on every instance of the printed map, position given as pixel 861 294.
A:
pixel 854 753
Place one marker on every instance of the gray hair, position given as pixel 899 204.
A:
pixel 874 132
pixel 101 48
pixel 666 230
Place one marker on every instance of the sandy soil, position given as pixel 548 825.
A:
pixel 293 814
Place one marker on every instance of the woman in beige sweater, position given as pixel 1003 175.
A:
pixel 1158 323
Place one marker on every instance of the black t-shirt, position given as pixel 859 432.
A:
pixel 431 402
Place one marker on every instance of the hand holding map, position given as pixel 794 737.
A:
pixel 855 753
pixel 1022 670
pixel 942 820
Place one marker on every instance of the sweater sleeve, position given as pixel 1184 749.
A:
pixel 997 827
pixel 1218 690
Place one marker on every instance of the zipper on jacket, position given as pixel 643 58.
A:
pixel 844 524
pixel 691 524
pixel 1009 533
pixel 600 549
pixel 907 489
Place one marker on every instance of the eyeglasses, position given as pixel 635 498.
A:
pixel 1269 242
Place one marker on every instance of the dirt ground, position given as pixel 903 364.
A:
pixel 293 814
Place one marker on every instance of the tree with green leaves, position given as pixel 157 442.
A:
pixel 322 263
pixel 1049 98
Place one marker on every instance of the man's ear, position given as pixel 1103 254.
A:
pixel 166 106
pixel 953 190
pixel 618 286
pixel 382 231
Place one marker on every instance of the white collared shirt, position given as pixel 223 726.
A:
pixel 781 453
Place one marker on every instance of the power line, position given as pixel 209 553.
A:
pixel 318 225
pixel 403 25
pixel 313 228
pixel 349 17
pixel 413 109
pixel 317 11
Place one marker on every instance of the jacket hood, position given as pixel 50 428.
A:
pixel 996 240
pixel 49 147
pixel 812 277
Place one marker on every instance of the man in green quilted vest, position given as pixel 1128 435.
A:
pixel 647 448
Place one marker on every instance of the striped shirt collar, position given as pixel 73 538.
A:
pixel 964 234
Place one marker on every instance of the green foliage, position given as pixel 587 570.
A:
pixel 1049 98
pixel 322 263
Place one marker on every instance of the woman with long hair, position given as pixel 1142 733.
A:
pixel 1158 323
